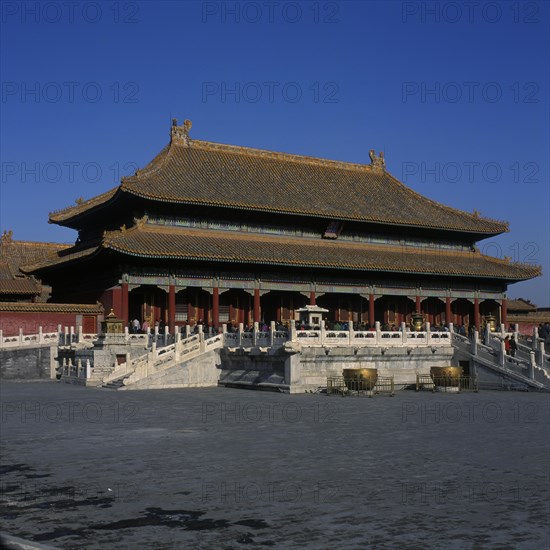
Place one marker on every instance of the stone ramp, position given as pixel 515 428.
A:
pixel 199 372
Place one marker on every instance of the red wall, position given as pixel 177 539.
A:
pixel 11 321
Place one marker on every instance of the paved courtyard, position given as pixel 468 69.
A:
pixel 229 469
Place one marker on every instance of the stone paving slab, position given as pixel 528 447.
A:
pixel 226 468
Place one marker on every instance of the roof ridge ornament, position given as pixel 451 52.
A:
pixel 180 134
pixel 377 161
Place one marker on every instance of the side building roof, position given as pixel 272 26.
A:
pixel 13 255
pixel 195 172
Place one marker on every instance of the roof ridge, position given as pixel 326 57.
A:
pixel 91 201
pixel 151 167
pixel 41 243
pixel 278 155
pixel 448 208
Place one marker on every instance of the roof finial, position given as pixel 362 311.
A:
pixel 377 161
pixel 180 134
pixel 7 237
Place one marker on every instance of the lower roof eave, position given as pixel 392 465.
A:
pixel 508 280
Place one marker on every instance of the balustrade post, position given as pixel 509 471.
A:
pixel 71 335
pixel 1 338
pixel 502 353
pixel 428 333
pixel 156 335
pixel 166 334
pixel 487 335
pixel 240 335
pixel 66 337
pixel 351 332
pixel 178 337
pixel 88 369
pixel 451 331
pixel 126 334
pixel 202 345
pixel 534 343
pixel 224 333
pixel 255 334
pixel 40 335
pixel 79 334
pixel 540 353
pixel 532 363
pixel 293 335
pixel 20 336
pixel 502 330
pixel 271 333
pixel 378 335
pixel 323 331
pixel 475 341
pixel 516 332
pixel 78 368
pixel 187 331
pixel 403 333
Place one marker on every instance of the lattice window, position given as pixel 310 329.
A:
pixel 224 313
pixel 181 312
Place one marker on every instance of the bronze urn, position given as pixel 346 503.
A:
pixel 491 320
pixel 360 379
pixel 446 376
pixel 417 320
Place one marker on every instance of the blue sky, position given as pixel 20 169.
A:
pixel 456 94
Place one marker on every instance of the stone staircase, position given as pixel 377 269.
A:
pixel 494 367
pixel 189 362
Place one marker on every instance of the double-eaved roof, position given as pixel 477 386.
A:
pixel 194 172
pixel 168 243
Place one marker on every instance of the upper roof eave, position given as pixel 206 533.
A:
pixel 144 184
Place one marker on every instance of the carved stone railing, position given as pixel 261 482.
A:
pixel 329 337
pixel 24 340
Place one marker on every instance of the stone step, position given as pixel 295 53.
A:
pixel 114 384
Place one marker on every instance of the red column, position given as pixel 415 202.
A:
pixel 216 307
pixel 418 304
pixel 312 298
pixel 124 313
pixel 476 312
pixel 504 312
pixel 448 314
pixel 371 310
pixel 172 309
pixel 256 305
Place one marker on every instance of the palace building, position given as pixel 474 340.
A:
pixel 227 234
